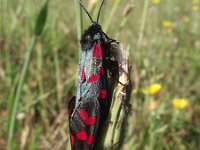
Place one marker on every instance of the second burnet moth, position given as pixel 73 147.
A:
pixel 89 109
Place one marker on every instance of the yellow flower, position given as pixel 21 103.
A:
pixel 152 89
pixel 186 19
pixel 195 1
pixel 180 103
pixel 196 8
pixel 156 1
pixel 153 105
pixel 167 24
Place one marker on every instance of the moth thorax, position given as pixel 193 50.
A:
pixel 97 36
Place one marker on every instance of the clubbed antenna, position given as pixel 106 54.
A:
pixel 100 10
pixel 88 12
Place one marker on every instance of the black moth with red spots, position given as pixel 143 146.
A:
pixel 89 109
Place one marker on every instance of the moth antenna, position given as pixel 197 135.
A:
pixel 100 10
pixel 80 2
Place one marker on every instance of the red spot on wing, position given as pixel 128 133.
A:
pixel 97 51
pixel 81 135
pixel 82 75
pixel 83 114
pixel 72 139
pixel 102 71
pixel 102 94
pixel 90 140
pixel 91 121
pixel 94 78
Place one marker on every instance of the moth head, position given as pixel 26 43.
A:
pixel 95 31
pixel 92 34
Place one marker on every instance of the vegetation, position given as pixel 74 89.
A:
pixel 38 71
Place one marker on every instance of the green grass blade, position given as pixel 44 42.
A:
pixel 15 101
pixel 41 20
pixel 143 22
pixel 144 141
pixel 107 22
pixel 35 139
pixel 79 21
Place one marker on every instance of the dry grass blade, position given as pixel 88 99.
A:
pixel 114 131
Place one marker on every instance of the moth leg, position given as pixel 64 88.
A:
pixel 113 68
pixel 109 39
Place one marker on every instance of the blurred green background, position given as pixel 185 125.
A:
pixel 164 44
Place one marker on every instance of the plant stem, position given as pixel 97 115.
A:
pixel 109 18
pixel 143 22
pixel 79 21
pixel 13 112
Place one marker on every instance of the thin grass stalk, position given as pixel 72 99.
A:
pixel 152 136
pixel 58 81
pixel 34 144
pixel 7 55
pixel 127 12
pixel 11 117
pixel 144 140
pixel 39 26
pixel 79 21
pixel 143 22
pixel 8 65
pixel 12 94
pixel 41 86
pixel 108 19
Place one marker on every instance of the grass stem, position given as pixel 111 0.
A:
pixel 11 117
pixel 143 22
pixel 79 21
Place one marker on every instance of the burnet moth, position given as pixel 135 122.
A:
pixel 89 109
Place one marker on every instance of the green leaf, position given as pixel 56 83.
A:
pixel 145 138
pixel 41 20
